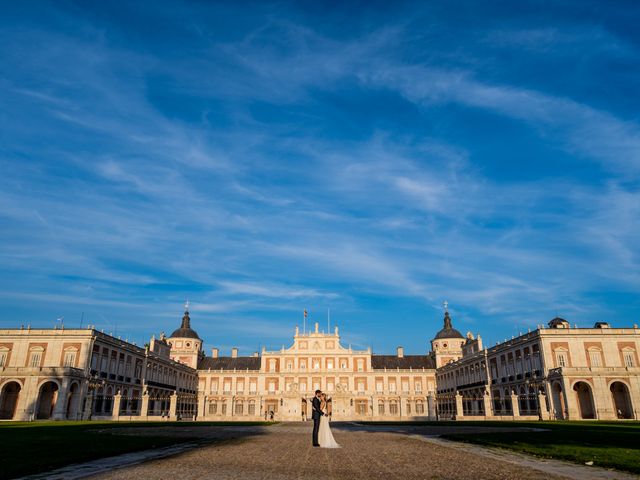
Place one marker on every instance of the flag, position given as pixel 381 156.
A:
pixel 305 313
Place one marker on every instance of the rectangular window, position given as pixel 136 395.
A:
pixel 361 407
pixel 252 409
pixel 239 408
pixel 419 408
pixel 34 359
pixel 213 408
pixel 381 408
pixel 3 359
pixel 408 408
pixel 69 359
pixel 562 360
pixel 393 408
pixel 596 359
pixel 224 408
pixel 629 361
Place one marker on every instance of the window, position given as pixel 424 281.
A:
pixel 3 357
pixel 239 408
pixel 596 358
pixel 419 408
pixel 213 408
pixel 562 359
pixel 329 364
pixel 34 359
pixel 393 408
pixel 214 386
pixel 361 407
pixel 629 360
pixel 69 359
pixel 360 365
pixel 224 408
pixel 381 408
pixel 408 408
pixel 418 386
pixel 252 408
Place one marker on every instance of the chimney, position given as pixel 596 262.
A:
pixel 400 352
pixel 234 352
pixel 214 352
pixel 255 354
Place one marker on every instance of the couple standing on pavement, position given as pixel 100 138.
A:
pixel 322 436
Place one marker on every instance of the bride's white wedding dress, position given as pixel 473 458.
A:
pixel 325 437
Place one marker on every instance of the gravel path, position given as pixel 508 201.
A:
pixel 284 452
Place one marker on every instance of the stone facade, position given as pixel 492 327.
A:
pixel 83 373
pixel 550 373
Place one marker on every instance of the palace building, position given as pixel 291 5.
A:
pixel 556 372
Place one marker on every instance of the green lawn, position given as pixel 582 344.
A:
pixel 32 447
pixel 607 444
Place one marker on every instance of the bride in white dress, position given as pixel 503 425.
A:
pixel 325 437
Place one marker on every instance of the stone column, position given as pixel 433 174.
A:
pixel 173 406
pixel 88 405
pixel 144 407
pixel 202 405
pixel 515 405
pixel 487 403
pixel 542 406
pixel 115 413
pixel 431 407
pixel 570 400
pixel 459 407
pixel 59 410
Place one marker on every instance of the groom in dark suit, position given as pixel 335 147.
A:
pixel 316 413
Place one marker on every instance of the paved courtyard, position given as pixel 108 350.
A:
pixel 284 452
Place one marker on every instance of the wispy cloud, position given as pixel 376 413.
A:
pixel 281 164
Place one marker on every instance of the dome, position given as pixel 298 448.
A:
pixel 558 323
pixel 448 331
pixel 185 330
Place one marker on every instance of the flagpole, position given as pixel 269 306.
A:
pixel 328 321
pixel 304 322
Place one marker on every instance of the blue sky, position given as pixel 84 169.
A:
pixel 376 160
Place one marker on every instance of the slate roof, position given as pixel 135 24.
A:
pixel 229 363
pixel 380 362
